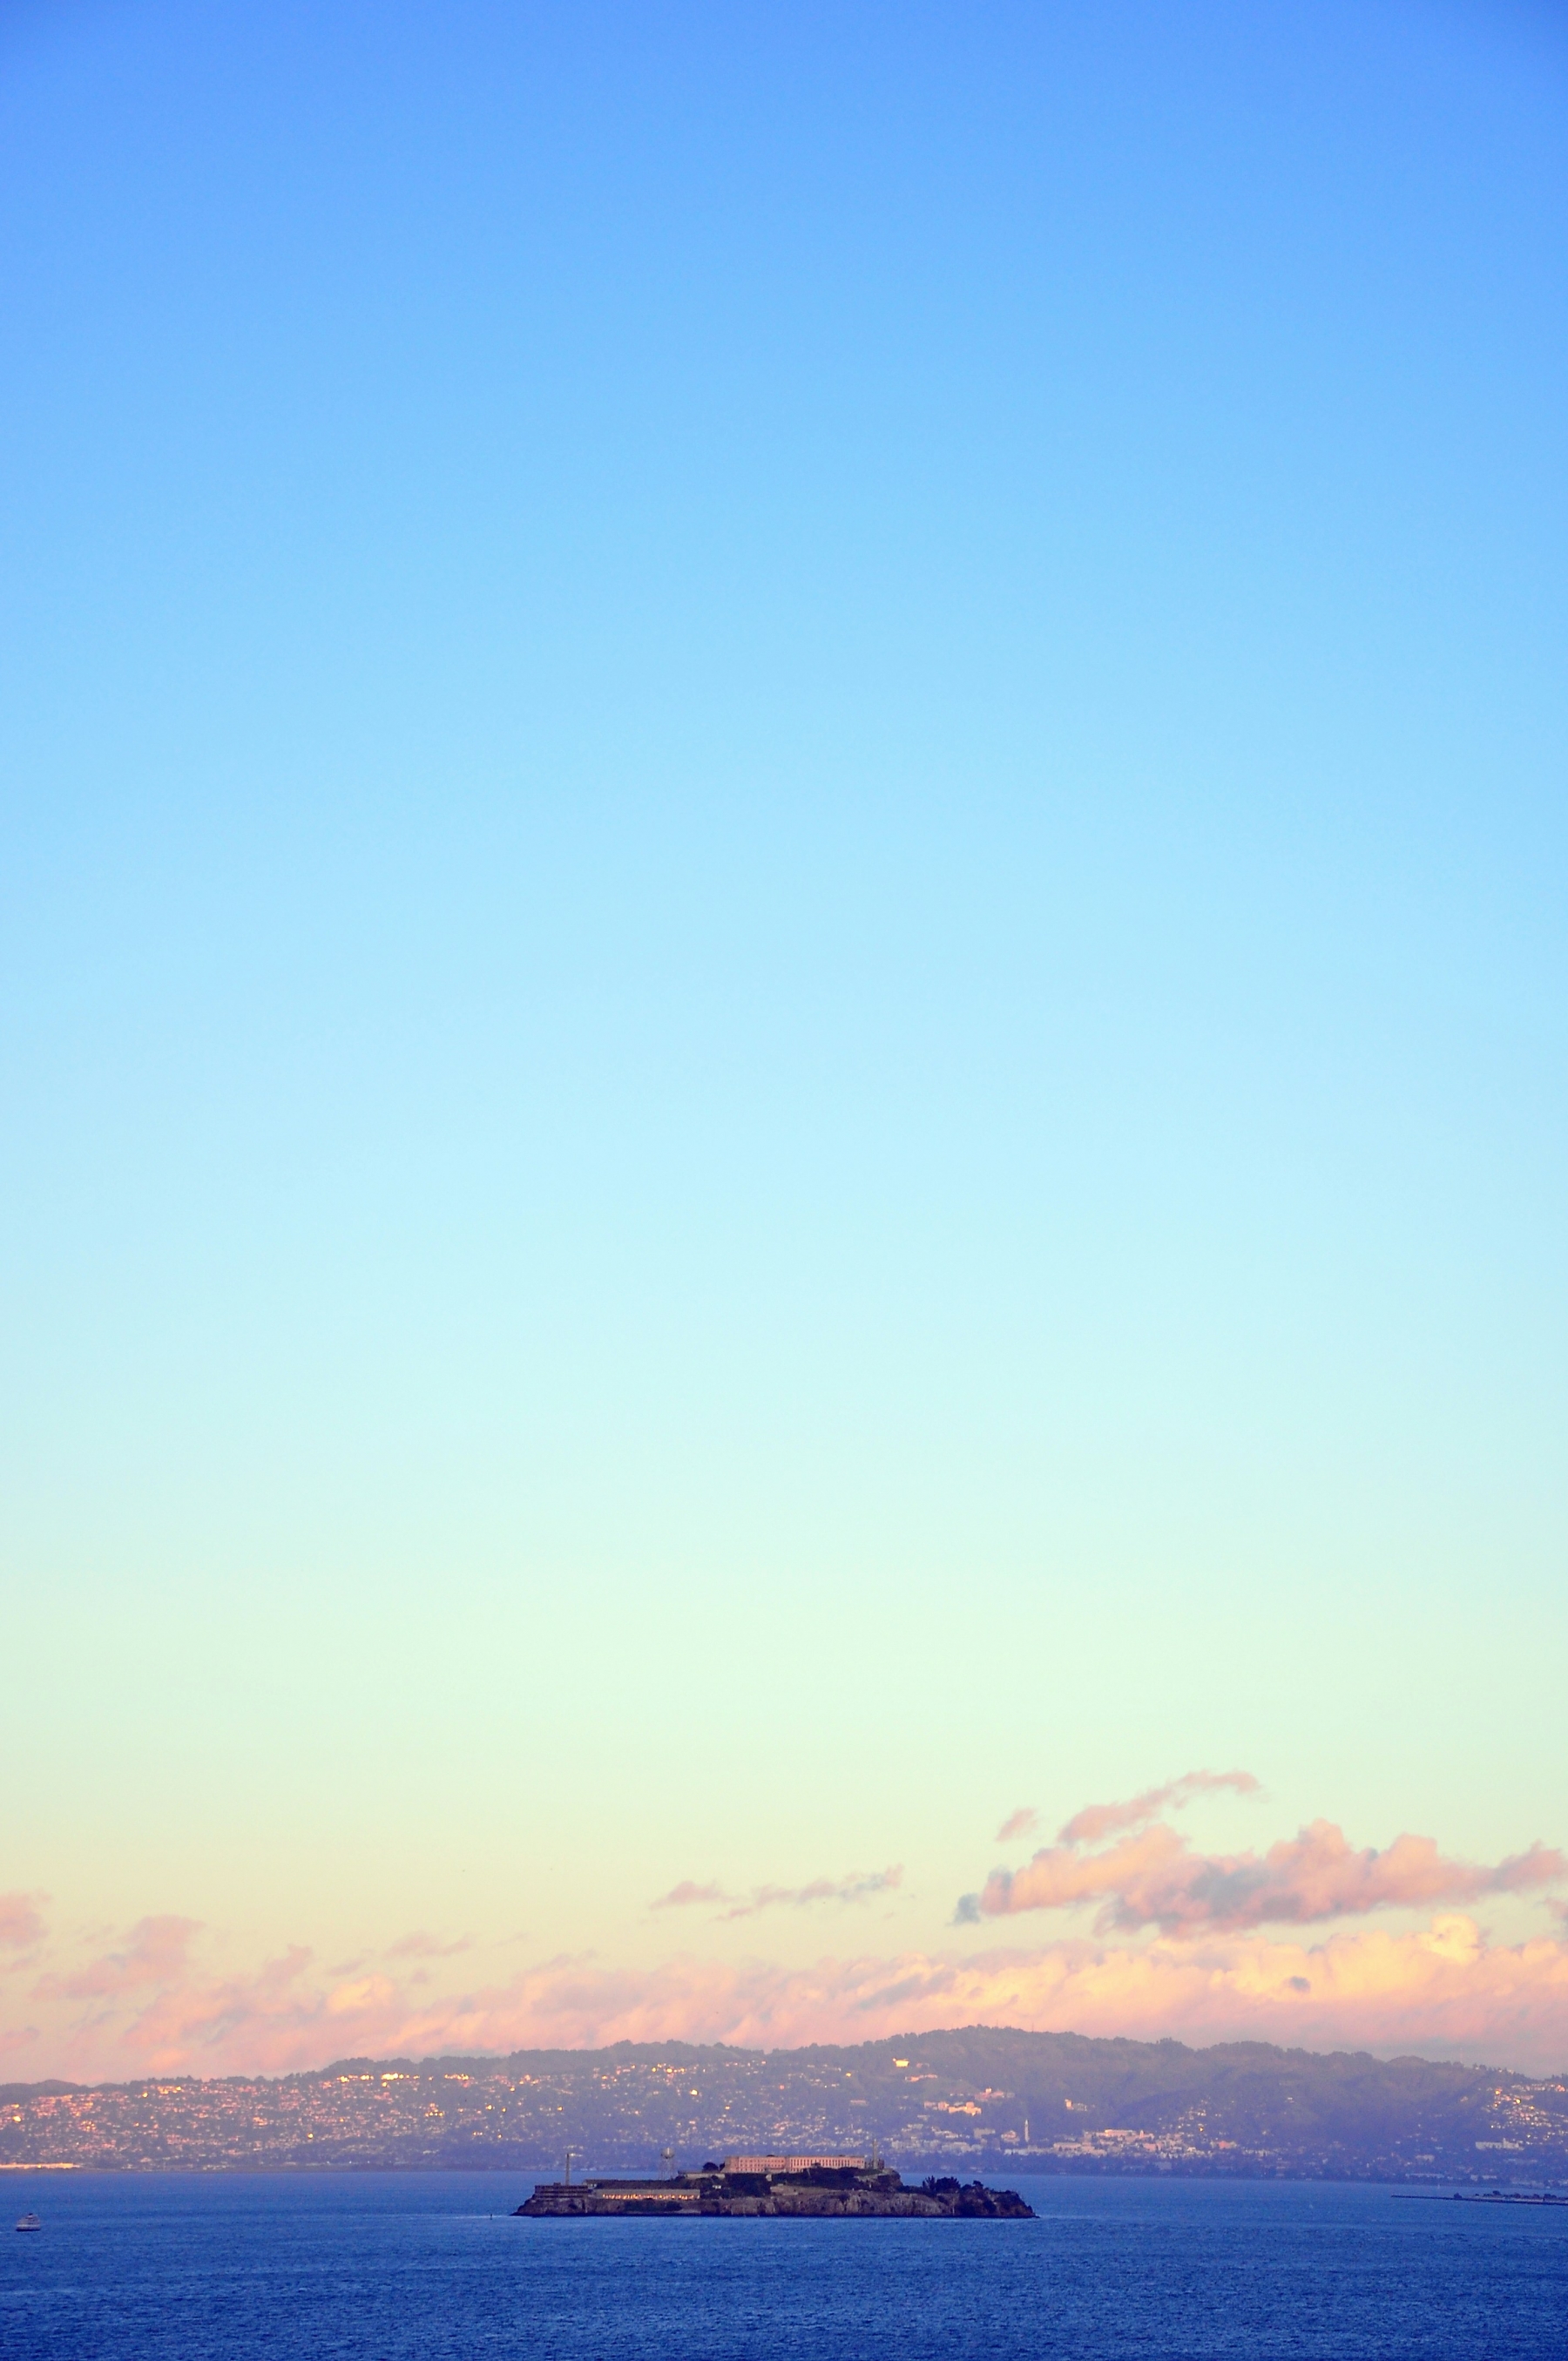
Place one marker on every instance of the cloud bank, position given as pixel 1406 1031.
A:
pixel 1178 1949
pixel 154 1953
pixel 1098 1820
pixel 1153 1878
pixel 858 1887
pixel 421 1946
pixel 20 1924
pixel 1442 1989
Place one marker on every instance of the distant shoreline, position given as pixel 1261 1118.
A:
pixel 973 2101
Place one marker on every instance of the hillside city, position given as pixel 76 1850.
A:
pixel 1031 2101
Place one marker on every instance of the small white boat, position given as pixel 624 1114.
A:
pixel 30 2222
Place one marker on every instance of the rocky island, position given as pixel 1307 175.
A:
pixel 842 2186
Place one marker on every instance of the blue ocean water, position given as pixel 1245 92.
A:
pixel 374 2266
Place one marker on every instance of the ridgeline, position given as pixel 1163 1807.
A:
pixel 981 2096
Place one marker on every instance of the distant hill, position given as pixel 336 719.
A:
pixel 978 2095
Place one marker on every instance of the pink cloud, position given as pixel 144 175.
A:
pixel 856 1887
pixel 1154 1879
pixel 1442 1989
pixel 1097 1820
pixel 20 1924
pixel 199 2020
pixel 153 2004
pixel 1017 1824
pixel 154 1954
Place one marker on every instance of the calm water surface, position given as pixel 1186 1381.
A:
pixel 376 2266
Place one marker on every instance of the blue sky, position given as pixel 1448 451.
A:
pixel 782 942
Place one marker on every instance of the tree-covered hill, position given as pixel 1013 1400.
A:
pixel 986 2096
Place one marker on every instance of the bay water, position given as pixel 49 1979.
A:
pixel 420 2266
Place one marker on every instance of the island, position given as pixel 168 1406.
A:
pixel 858 2188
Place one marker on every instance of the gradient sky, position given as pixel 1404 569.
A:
pixel 782 935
